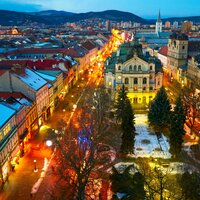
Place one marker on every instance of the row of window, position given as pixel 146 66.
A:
pixel 143 89
pixel 183 47
pixel 135 81
pixel 135 68
pixel 9 148
pixel 144 99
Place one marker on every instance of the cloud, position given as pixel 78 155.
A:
pixel 19 6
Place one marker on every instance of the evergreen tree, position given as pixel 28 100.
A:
pixel 120 104
pixel 159 111
pixel 177 128
pixel 128 129
pixel 125 114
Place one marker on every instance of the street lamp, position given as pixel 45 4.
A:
pixel 49 143
pixel 74 107
pixel 35 168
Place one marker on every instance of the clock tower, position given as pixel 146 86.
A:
pixel 158 24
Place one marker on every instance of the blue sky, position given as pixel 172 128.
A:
pixel 143 8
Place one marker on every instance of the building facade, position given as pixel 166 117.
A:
pixel 177 53
pixel 8 140
pixel 140 73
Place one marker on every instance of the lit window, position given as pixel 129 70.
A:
pixel 126 81
pixel 119 77
pixel 135 81
pixel 1 136
pixel 144 80
pixel 6 130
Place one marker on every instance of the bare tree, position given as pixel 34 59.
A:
pixel 159 183
pixel 77 156
pixel 192 108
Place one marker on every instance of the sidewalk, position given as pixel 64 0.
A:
pixel 23 177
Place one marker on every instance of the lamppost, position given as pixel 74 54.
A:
pixel 35 168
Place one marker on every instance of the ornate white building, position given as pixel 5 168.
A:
pixel 140 73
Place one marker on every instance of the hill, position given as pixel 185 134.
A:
pixel 12 18
pixel 52 17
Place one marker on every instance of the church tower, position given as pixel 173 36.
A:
pixel 158 24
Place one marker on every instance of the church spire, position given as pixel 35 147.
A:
pixel 159 18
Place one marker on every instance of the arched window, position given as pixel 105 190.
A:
pixel 135 81
pixel 135 68
pixel 151 67
pixel 126 81
pixel 139 68
pixel 119 67
pixel 144 80
pixel 130 68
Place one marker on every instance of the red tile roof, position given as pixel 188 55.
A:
pixel 88 45
pixel 163 50
pixel 47 64
pixel 66 51
pixel 6 95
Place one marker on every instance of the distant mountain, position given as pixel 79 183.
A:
pixel 114 15
pixel 51 13
pixel 53 17
pixel 11 18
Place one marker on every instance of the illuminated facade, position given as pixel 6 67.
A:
pixel 177 53
pixel 8 140
pixel 140 73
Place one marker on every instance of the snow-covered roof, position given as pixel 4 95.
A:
pixel 25 102
pixel 14 104
pixel 5 114
pixel 46 76
pixel 31 78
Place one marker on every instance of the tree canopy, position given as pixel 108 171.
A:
pixel 177 128
pixel 159 112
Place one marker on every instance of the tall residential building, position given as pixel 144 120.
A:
pixel 108 25
pixel 175 25
pixel 158 24
pixel 167 24
pixel 186 26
